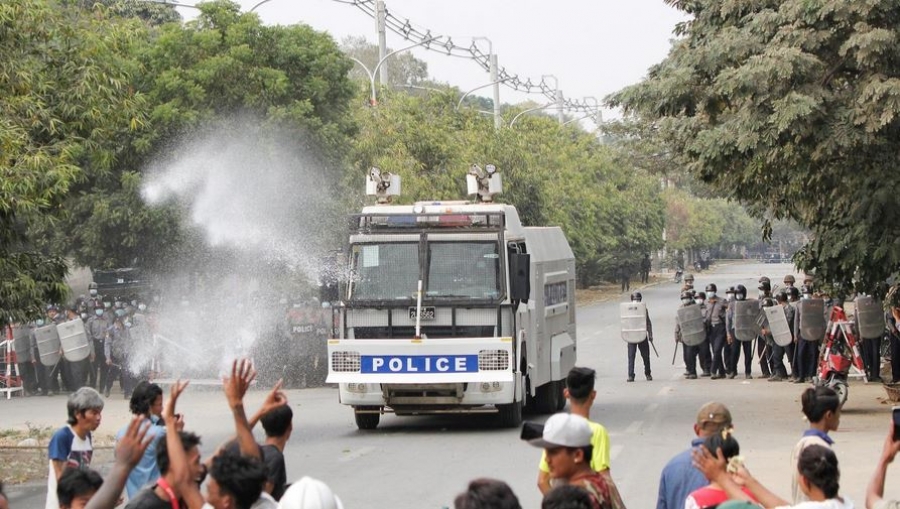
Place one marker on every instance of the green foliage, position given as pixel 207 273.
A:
pixel 65 105
pixel 554 175
pixel 403 68
pixel 791 108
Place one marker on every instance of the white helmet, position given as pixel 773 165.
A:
pixel 309 493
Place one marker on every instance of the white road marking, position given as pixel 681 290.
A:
pixel 634 427
pixel 614 451
pixel 359 453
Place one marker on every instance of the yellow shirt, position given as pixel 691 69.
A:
pixel 599 455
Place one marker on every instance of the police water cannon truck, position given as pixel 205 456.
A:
pixel 452 307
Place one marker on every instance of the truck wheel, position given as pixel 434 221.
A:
pixel 510 415
pixel 367 421
pixel 547 398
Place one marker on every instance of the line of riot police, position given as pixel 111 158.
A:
pixel 793 330
pixel 86 344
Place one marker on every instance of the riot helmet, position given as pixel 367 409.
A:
pixel 689 278
pixel 740 292
pixel 789 280
pixel 92 289
pixel 765 286
pixel 794 293
pixel 636 297
pixel 781 296
pixel 711 290
pixel 701 296
pixel 687 298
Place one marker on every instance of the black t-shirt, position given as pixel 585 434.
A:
pixel 275 470
pixel 148 499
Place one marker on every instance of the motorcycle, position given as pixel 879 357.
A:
pixel 678 274
pixel 839 352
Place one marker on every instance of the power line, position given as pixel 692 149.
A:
pixel 444 44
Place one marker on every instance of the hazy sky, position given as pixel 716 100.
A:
pixel 594 47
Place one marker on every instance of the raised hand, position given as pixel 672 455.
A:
pixel 169 414
pixel 236 386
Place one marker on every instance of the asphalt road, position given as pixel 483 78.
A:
pixel 423 462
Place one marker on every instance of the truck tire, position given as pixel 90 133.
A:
pixel 367 421
pixel 510 415
pixel 546 398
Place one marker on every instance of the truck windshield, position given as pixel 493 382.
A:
pixel 469 270
pixel 387 271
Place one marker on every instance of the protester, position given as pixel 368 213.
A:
pixel 146 403
pixel 130 448
pixel 679 478
pixel 875 493
pixel 72 446
pixel 566 440
pixel 160 494
pixel 4 502
pixel 819 480
pixel 276 417
pixel 822 407
pixel 487 494
pixel 76 487
pixel 567 497
pixel 309 493
pixel 713 494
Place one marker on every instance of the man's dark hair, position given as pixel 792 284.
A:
pixel 188 440
pixel 580 383
pixel 567 497
pixel 819 466
pixel 239 476
pixel 487 494
pixel 76 482
pixel 277 421
pixel 144 394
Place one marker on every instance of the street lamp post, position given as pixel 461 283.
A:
pixel 558 96
pixel 371 73
pixel 529 110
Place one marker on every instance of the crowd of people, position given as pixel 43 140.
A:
pixel 719 352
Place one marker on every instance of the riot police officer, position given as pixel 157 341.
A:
pixel 763 352
pixel 740 294
pixel 716 335
pixel 703 349
pixel 643 346
pixel 97 328
pixel 689 353
pixel 789 281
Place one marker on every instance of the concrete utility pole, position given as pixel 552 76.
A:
pixel 559 106
pixel 381 27
pixel 497 119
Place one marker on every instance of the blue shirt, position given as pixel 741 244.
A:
pixel 147 470
pixel 816 433
pixel 679 479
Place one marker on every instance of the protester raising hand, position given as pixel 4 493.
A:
pixel 129 451
pixel 235 386
pixel 275 399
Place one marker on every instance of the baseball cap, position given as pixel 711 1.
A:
pixel 713 412
pixel 564 430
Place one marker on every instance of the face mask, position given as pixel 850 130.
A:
pixel 142 307
pixel 686 301
pixel 807 296
pixel 738 297
pixel 39 322
pixel 711 294
pixel 98 312
pixel 127 325
pixel 84 316
pixel 120 312
pixel 106 305
pixel 134 303
pixel 700 301
pixel 93 292
pixel 762 294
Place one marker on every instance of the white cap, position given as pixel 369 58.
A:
pixel 309 493
pixel 564 430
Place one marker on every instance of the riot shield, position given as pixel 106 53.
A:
pixel 778 325
pixel 74 340
pixel 22 343
pixel 746 312
pixel 693 327
pixel 634 321
pixel 48 344
pixel 812 319
pixel 869 317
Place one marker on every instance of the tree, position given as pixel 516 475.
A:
pixel 791 107
pixel 65 106
pixel 151 13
